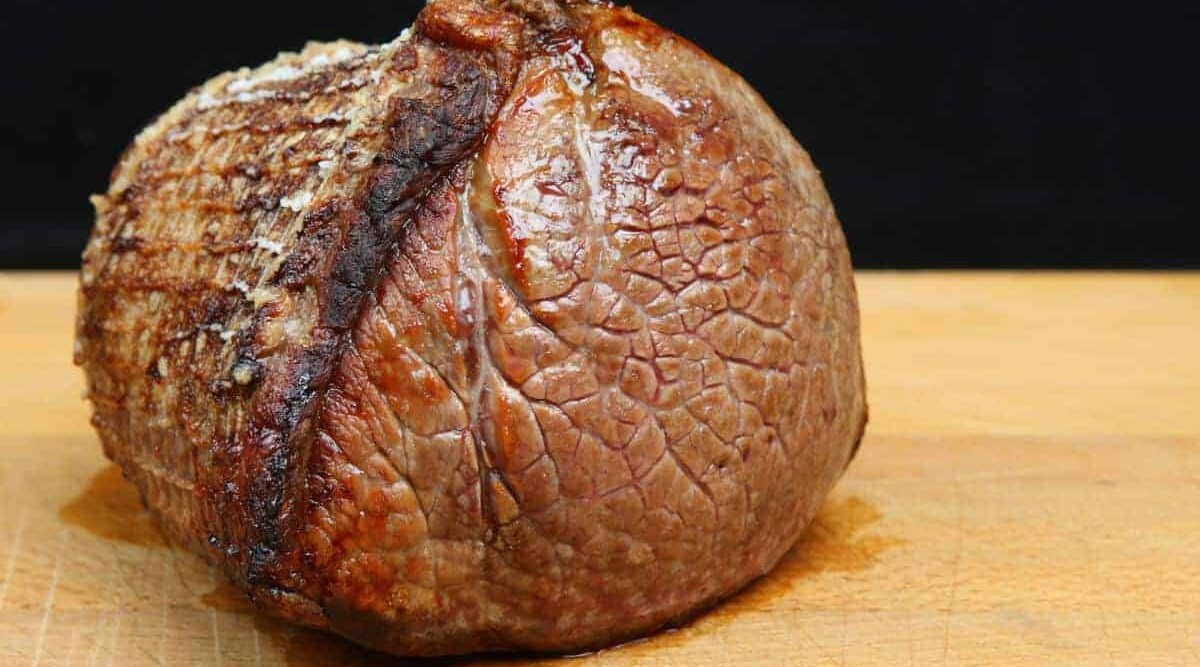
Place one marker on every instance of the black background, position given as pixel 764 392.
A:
pixel 963 134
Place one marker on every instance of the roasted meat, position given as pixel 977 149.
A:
pixel 533 329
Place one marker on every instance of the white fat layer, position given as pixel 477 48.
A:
pixel 296 201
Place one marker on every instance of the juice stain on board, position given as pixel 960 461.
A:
pixel 110 508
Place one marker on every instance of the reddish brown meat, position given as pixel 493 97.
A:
pixel 533 329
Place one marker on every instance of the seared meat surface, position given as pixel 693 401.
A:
pixel 533 329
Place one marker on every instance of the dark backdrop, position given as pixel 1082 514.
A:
pixel 950 134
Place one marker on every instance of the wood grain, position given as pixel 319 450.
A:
pixel 1028 494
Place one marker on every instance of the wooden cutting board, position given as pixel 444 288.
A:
pixel 1028 494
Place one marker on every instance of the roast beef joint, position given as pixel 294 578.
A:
pixel 533 329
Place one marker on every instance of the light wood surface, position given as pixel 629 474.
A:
pixel 1028 494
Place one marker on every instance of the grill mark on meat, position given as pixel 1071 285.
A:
pixel 429 139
